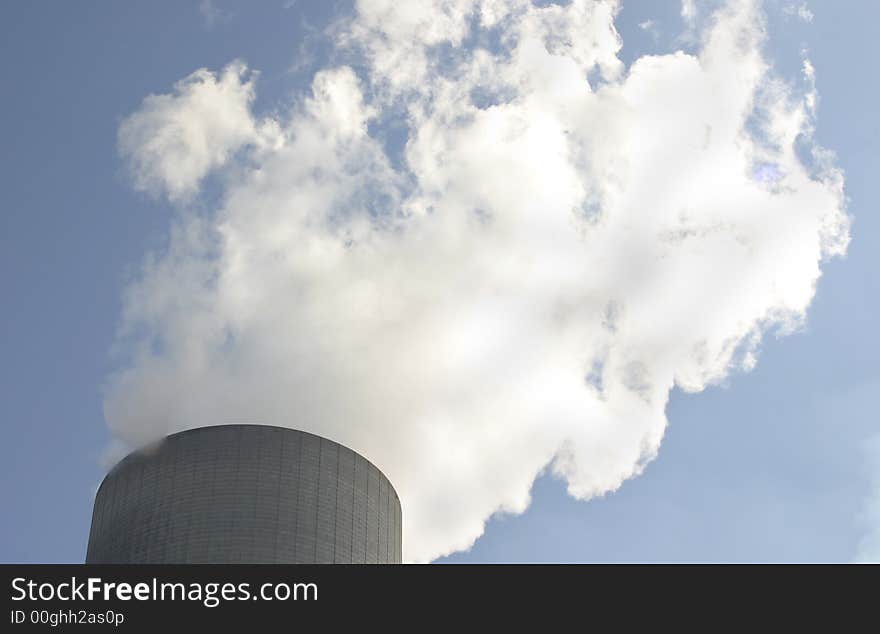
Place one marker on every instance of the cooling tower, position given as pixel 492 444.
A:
pixel 245 494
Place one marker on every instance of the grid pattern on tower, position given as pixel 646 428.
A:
pixel 246 494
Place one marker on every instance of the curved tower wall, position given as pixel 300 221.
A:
pixel 245 494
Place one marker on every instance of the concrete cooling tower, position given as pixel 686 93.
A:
pixel 245 494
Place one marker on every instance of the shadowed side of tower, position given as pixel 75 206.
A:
pixel 245 494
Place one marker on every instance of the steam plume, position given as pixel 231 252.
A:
pixel 518 289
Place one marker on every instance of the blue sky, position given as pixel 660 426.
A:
pixel 772 465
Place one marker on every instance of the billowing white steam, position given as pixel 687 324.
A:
pixel 522 288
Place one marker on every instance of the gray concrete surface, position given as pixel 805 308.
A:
pixel 245 494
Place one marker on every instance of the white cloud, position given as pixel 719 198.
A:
pixel 650 27
pixel 523 292
pixel 174 140
pixel 801 11
pixel 688 10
